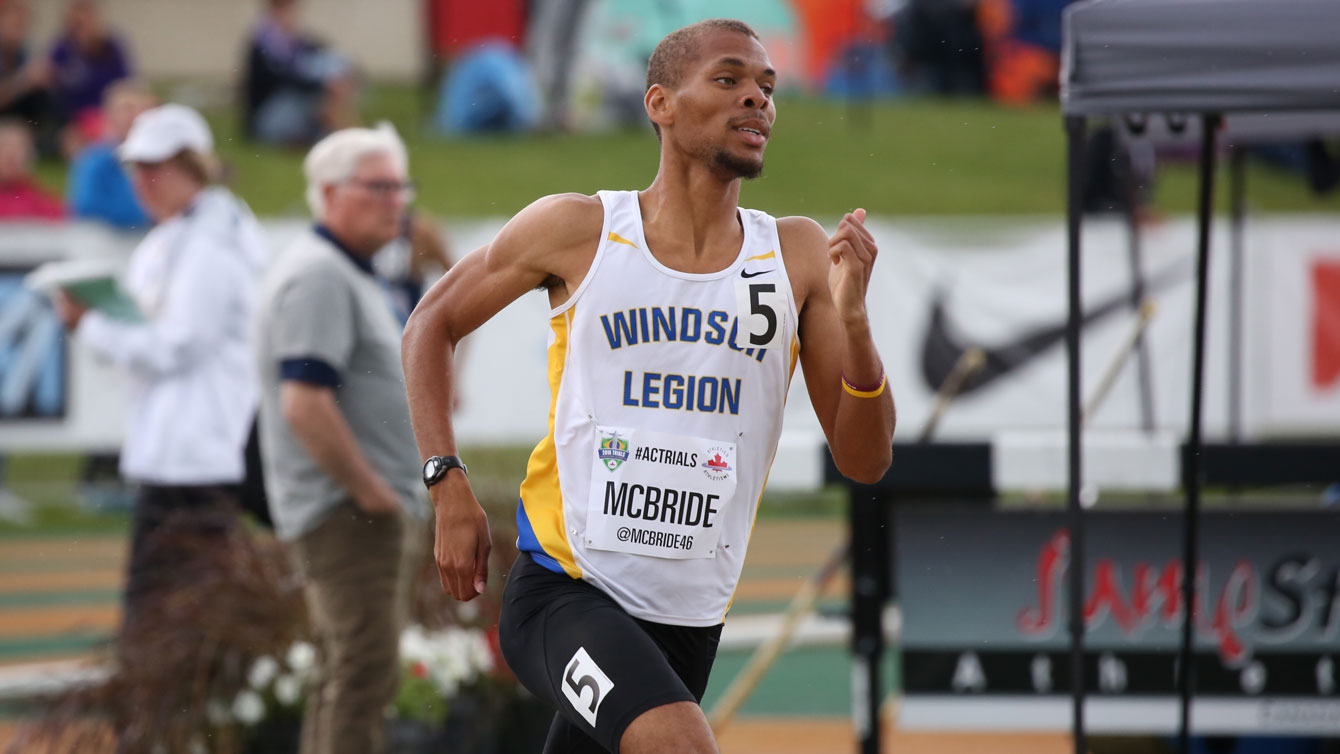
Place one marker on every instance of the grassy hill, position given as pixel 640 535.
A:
pixel 911 157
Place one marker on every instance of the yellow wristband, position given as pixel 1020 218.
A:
pixel 883 380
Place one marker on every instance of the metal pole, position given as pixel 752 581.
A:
pixel 869 533
pixel 1191 519
pixel 1075 132
pixel 1133 255
pixel 1237 182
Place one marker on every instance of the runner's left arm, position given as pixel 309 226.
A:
pixel 842 367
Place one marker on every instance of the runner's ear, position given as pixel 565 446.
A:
pixel 659 105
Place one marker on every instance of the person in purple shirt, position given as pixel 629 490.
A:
pixel 295 88
pixel 85 59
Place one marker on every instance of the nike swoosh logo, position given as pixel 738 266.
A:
pixel 748 274
pixel 941 350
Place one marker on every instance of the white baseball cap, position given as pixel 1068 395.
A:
pixel 161 132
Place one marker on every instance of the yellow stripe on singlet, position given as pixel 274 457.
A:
pixel 758 257
pixel 615 237
pixel 795 352
pixel 541 496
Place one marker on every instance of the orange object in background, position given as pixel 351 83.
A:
pixel 995 19
pixel 1020 73
pixel 829 27
pixel 1017 73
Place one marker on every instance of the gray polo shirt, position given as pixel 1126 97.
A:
pixel 323 317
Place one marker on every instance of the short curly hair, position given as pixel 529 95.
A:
pixel 668 60
pixel 680 46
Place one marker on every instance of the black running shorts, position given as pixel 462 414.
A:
pixel 575 648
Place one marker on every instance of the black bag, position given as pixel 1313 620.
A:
pixel 251 493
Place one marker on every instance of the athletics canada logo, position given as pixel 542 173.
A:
pixel 717 466
pixel 613 451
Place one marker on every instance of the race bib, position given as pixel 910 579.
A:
pixel 658 494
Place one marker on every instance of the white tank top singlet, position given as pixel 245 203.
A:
pixel 667 391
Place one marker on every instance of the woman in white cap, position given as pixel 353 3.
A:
pixel 189 356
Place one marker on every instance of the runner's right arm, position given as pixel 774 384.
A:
pixel 549 244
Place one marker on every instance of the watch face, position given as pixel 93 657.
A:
pixel 431 467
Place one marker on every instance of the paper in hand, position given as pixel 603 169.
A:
pixel 94 283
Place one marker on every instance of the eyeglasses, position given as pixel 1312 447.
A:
pixel 386 189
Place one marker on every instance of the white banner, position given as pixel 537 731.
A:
pixel 940 286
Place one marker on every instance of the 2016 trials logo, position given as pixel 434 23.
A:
pixel 613 451
pixel 717 466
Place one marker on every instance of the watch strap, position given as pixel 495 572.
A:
pixel 444 465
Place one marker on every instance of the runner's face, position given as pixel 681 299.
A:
pixel 725 108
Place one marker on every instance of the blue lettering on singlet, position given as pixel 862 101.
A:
pixel 658 324
pixel 704 394
pixel 621 331
pixel 662 323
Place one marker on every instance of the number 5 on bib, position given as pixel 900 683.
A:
pixel 761 307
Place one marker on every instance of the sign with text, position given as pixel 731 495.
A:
pixel 985 613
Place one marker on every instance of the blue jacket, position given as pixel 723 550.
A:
pixel 99 189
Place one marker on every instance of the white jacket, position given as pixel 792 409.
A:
pixel 193 391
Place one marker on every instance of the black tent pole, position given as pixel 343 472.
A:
pixel 1075 132
pixel 1191 463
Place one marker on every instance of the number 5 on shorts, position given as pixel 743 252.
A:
pixel 585 685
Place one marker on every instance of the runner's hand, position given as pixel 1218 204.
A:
pixel 462 542
pixel 852 252
pixel 69 309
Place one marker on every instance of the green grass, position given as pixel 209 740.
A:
pixel 50 481
pixel 911 157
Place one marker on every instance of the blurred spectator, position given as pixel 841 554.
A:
pixel 551 46
pixel 1118 173
pixel 1023 48
pixel 488 89
pixel 98 188
pixel 85 59
pixel 193 392
pixel 939 47
pixel 23 92
pixel 295 88
pixel 340 458
pixel 21 198
pixel 412 261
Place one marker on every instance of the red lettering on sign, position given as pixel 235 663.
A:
pixel 1155 597
pixel 1325 324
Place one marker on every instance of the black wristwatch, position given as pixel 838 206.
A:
pixel 435 469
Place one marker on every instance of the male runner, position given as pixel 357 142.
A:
pixel 676 320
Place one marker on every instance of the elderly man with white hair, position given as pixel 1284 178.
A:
pixel 341 465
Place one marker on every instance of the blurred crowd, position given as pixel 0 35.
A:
pixel 579 63
pixel 507 65
pixel 74 101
